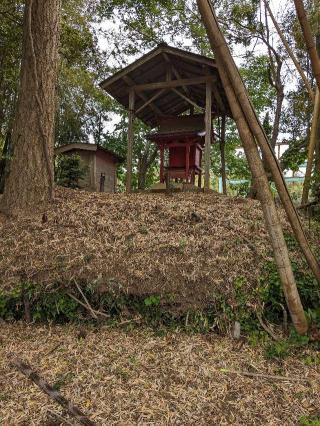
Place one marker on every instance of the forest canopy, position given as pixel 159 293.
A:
pixel 99 37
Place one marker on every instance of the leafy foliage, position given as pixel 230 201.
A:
pixel 69 170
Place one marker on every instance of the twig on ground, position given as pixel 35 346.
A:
pixel 57 415
pixel 265 376
pixel 267 329
pixel 27 371
pixel 85 306
pixel 86 301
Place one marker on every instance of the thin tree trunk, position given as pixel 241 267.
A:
pixel 277 117
pixel 290 52
pixel 4 160
pixel 309 39
pixel 228 63
pixel 270 213
pixel 30 180
pixel 311 150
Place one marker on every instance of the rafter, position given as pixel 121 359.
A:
pixel 131 83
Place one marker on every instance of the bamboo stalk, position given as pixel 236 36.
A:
pixel 270 213
pixel 220 47
pixel 290 52
pixel 259 175
pixel 309 39
pixel 311 149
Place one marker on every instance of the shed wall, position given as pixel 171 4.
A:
pixel 105 164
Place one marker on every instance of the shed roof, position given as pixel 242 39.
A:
pixel 86 147
pixel 153 68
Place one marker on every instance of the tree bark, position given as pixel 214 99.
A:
pixel 222 52
pixel 29 184
pixel 309 39
pixel 145 161
pixel 257 130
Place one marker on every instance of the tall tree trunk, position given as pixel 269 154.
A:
pixel 257 130
pixel 309 39
pixel 30 180
pixel 227 72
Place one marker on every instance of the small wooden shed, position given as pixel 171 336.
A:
pixel 101 163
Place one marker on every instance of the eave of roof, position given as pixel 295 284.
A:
pixel 87 147
pixel 151 68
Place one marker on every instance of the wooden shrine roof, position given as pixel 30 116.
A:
pixel 153 67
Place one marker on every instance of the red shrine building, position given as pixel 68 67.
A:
pixel 178 94
pixel 184 139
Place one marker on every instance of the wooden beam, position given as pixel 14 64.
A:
pixel 176 72
pixel 207 149
pixel 154 97
pixel 131 83
pixel 173 83
pixel 187 99
pixel 130 140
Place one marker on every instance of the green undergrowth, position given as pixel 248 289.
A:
pixel 163 312
pixel 309 421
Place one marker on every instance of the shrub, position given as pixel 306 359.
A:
pixel 69 170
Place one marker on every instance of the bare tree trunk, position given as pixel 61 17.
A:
pixel 290 52
pixel 270 213
pixel 257 130
pixel 144 163
pixel 311 149
pixel 309 39
pixel 277 117
pixel 30 180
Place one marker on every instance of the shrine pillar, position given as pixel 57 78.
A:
pixel 208 126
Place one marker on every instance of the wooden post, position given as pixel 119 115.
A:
pixel 187 162
pixel 207 149
pixel 223 157
pixel 200 179
pixel 130 140
pixel 162 164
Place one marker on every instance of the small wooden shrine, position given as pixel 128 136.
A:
pixel 184 139
pixel 178 94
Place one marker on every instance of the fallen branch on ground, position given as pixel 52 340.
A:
pixel 91 310
pixel 74 411
pixel 267 329
pixel 264 376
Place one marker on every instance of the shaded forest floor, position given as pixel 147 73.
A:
pixel 131 377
